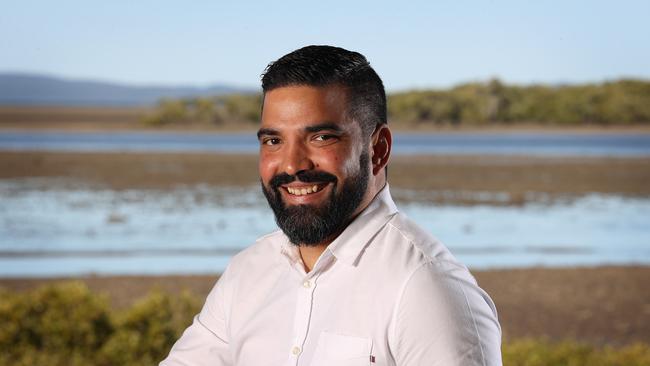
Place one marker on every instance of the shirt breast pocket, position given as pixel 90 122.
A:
pixel 342 350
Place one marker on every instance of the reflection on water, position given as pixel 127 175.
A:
pixel 197 229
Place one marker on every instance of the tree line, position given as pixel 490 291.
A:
pixel 622 102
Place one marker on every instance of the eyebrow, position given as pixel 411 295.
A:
pixel 266 132
pixel 324 126
pixel 315 128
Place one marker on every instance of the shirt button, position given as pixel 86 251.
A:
pixel 306 284
pixel 295 350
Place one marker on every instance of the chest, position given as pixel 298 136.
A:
pixel 340 317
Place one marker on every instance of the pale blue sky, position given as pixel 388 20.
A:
pixel 416 44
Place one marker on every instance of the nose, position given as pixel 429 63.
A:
pixel 296 158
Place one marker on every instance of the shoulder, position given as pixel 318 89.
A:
pixel 264 245
pixel 247 267
pixel 266 251
pixel 443 314
pixel 413 265
pixel 428 264
pixel 438 301
pixel 258 260
pixel 414 247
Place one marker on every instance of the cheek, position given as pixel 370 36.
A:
pixel 266 167
pixel 339 162
pixel 350 166
pixel 351 162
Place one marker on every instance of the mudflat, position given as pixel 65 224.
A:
pixel 448 179
pixel 600 305
pixel 70 118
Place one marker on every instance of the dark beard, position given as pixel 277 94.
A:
pixel 311 225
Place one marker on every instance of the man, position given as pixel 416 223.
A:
pixel 348 280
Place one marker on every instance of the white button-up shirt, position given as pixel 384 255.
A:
pixel 383 293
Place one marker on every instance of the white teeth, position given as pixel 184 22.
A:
pixel 303 191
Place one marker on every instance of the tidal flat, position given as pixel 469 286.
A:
pixel 114 194
pixel 494 179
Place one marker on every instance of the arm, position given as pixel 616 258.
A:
pixel 205 342
pixel 444 318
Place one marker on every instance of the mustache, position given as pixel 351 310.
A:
pixel 302 176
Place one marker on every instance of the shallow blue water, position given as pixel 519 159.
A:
pixel 554 144
pixel 53 232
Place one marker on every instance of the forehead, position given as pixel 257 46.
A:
pixel 298 105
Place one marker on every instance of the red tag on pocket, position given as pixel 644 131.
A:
pixel 372 359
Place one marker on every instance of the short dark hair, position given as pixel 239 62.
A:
pixel 326 65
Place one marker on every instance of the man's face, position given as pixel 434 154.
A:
pixel 314 163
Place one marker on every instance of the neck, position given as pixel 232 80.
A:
pixel 310 255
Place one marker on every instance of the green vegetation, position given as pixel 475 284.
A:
pixel 216 111
pixel 66 324
pixel 623 102
pixel 568 353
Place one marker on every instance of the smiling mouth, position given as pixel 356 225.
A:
pixel 305 190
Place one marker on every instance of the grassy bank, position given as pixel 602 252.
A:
pixel 64 322
pixel 599 305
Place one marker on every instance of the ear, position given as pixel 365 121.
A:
pixel 382 140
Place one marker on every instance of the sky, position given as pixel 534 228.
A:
pixel 412 44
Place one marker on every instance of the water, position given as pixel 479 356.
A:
pixel 56 232
pixel 620 144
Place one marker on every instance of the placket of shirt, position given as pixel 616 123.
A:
pixel 304 306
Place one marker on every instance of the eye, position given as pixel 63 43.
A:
pixel 270 141
pixel 324 137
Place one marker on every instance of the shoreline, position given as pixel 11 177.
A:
pixel 607 305
pixel 108 119
pixel 123 127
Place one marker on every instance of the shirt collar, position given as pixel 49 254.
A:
pixel 288 249
pixel 349 245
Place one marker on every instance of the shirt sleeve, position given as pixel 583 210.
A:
pixel 444 318
pixel 205 342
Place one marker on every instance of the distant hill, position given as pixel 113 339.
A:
pixel 33 89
